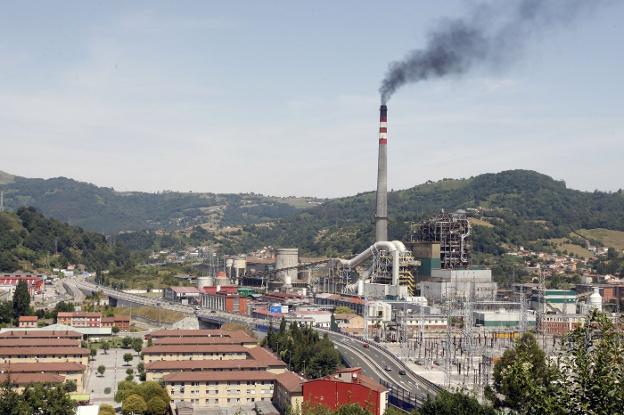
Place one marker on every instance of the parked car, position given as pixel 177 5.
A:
pixel 365 345
pixel 401 372
pixel 387 368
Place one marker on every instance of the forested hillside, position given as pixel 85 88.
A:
pixel 524 207
pixel 104 210
pixel 29 240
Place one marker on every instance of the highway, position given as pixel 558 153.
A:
pixel 373 359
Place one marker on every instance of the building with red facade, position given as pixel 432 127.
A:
pixel 27 321
pixel 33 281
pixel 344 387
pixel 121 322
pixel 224 298
pixel 79 319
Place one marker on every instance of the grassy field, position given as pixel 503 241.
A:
pixel 151 313
pixel 563 244
pixel 480 222
pixel 609 238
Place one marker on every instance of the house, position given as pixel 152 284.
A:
pixel 27 321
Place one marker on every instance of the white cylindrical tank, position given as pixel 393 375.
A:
pixel 221 279
pixel 204 282
pixel 229 262
pixel 595 300
pixel 286 258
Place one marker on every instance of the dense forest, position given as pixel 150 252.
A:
pixel 30 240
pixel 105 210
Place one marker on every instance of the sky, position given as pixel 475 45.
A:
pixel 280 97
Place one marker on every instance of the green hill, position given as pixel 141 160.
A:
pixel 105 210
pixel 524 208
pixel 29 240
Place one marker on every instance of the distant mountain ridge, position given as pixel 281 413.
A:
pixel 524 206
pixel 105 210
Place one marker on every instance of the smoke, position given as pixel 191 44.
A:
pixel 492 35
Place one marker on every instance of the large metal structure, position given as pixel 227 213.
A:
pixel 451 231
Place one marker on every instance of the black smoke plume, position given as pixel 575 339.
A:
pixel 492 35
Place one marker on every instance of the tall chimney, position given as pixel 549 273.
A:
pixel 381 214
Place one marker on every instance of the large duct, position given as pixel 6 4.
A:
pixel 395 248
pixel 381 213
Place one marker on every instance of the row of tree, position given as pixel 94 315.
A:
pixel 303 349
pixel 37 399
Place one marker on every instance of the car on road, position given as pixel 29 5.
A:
pixel 365 345
pixel 402 372
pixel 387 368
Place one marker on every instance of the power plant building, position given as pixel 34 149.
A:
pixel 459 284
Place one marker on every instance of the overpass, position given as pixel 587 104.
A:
pixel 376 361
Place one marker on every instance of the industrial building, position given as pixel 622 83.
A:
pixel 465 284
pixel 347 386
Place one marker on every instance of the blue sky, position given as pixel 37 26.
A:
pixel 280 97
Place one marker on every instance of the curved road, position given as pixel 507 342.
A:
pixel 373 359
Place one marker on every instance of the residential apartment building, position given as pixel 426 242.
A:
pixel 79 319
pixel 33 281
pixel 121 322
pixel 21 372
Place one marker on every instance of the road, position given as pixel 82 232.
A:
pixel 373 359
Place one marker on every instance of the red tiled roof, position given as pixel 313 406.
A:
pixel 78 314
pixel 40 334
pixel 292 382
pixel 162 341
pixel 28 378
pixel 208 348
pixel 218 376
pixel 39 367
pixel 28 318
pixel 43 351
pixel 190 333
pixel 11 342
pixel 211 364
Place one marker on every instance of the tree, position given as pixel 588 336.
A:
pixel 106 409
pixel 125 389
pixel 115 329
pixel 129 371
pixel 93 353
pixel 6 312
pixel 352 409
pixel 48 400
pixel 593 369
pixel 101 369
pixel 137 344
pixel 134 405
pixel 149 390
pixel 105 346
pixel 333 326
pixel 454 403
pixel 11 402
pixel 524 379
pixel 126 342
pixel 70 386
pixel 156 406
pixel 127 357
pixel 343 310
pixel 21 300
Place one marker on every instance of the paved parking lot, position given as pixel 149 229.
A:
pixel 115 373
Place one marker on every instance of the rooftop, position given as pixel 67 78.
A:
pixel 211 364
pixel 39 334
pixel 28 378
pixel 27 342
pixel 220 348
pixel 218 376
pixel 41 367
pixel 28 318
pixel 292 382
pixel 43 351
pixel 191 333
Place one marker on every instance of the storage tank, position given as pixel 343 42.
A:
pixel 286 258
pixel 240 265
pixel 595 300
pixel 222 279
pixel 204 282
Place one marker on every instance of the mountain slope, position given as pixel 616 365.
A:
pixel 524 206
pixel 105 210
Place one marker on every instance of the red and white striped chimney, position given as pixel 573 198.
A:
pixel 381 214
